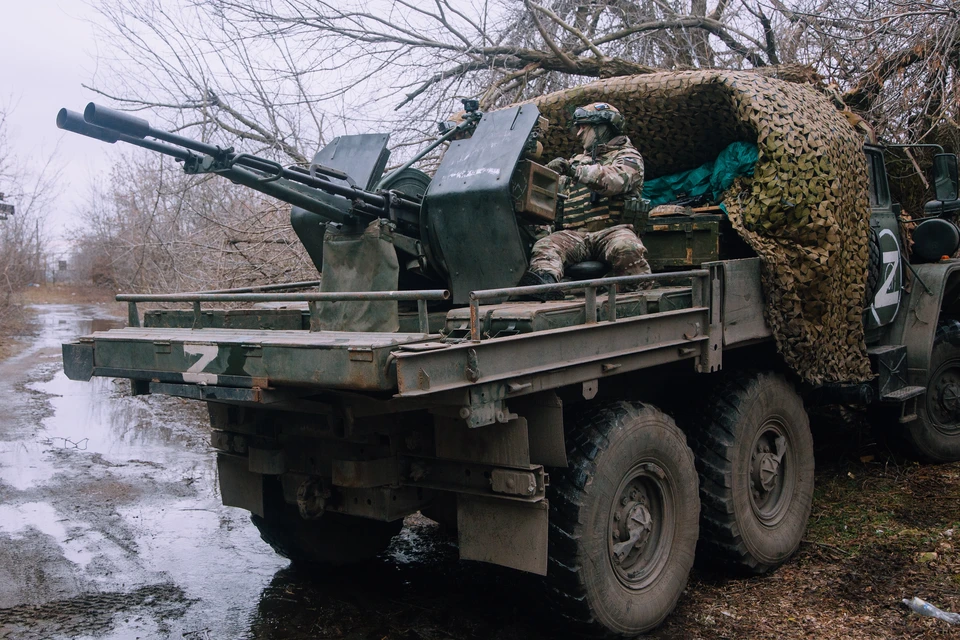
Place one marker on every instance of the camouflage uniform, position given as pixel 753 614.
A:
pixel 594 207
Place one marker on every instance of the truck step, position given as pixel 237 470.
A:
pixel 903 394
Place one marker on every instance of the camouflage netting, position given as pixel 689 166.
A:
pixel 805 212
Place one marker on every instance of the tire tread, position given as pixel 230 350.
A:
pixel 713 444
pixel 588 431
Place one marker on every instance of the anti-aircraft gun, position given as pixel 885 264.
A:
pixel 462 233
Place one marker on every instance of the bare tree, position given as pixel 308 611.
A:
pixel 287 74
pixel 898 62
pixel 282 77
pixel 284 73
pixel 153 228
pixel 31 187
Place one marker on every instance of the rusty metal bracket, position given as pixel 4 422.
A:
pixel 365 474
pixel 474 478
pixel 514 483
pixel 590 388
pixel 473 365
pixel 486 406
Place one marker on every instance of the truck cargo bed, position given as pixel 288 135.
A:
pixel 516 347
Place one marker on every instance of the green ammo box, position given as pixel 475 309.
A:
pixel 679 241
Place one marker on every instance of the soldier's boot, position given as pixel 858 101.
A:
pixel 533 278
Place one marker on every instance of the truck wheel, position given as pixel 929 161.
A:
pixel 754 453
pixel 333 540
pixel 935 434
pixel 623 520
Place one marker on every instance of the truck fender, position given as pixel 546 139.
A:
pixel 933 287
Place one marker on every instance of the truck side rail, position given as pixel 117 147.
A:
pixel 589 287
pixel 310 297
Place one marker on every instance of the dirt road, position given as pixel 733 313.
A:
pixel 111 527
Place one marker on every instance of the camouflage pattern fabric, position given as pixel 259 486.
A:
pixel 805 212
pixel 617 246
pixel 597 188
pixel 617 170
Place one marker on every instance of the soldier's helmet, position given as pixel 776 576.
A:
pixel 599 113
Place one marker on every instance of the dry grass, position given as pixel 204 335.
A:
pixel 14 322
pixel 68 294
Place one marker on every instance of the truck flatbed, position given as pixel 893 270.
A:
pixel 512 349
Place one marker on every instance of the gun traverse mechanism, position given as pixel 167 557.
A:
pixel 460 228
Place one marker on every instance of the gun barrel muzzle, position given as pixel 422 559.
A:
pixel 73 121
pixel 116 120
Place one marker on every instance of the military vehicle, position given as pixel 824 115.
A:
pixel 544 433
pixel 6 209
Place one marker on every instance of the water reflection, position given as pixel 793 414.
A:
pixel 417 589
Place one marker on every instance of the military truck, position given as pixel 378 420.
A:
pixel 544 433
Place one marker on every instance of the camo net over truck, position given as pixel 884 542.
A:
pixel 805 211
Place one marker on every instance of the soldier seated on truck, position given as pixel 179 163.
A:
pixel 597 183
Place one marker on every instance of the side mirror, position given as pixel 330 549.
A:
pixel 945 176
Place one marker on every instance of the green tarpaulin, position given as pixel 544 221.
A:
pixel 712 178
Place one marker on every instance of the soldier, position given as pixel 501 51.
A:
pixel 597 183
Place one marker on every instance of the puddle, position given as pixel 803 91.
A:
pixel 93 418
pixel 76 543
pixel 125 488
pixel 215 553
pixel 22 466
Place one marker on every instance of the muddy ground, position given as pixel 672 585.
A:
pixel 111 527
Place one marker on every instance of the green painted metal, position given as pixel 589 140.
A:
pixel 468 208
pixel 336 360
pixel 681 241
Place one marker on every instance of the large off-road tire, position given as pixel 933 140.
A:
pixel 623 520
pixel 935 435
pixel 754 454
pixel 332 540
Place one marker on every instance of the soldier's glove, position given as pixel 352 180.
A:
pixel 560 165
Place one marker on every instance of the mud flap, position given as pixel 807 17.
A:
pixel 239 487
pixel 359 261
pixel 505 532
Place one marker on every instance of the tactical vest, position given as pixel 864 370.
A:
pixel 586 210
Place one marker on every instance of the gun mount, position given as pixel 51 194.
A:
pixel 460 229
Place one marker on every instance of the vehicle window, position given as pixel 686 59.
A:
pixel 879 191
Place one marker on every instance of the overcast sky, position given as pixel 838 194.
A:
pixel 47 50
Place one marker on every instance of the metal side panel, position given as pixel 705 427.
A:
pixel 742 306
pixel 542 360
pixel 230 358
pixel 363 158
pixel 239 487
pixel 915 324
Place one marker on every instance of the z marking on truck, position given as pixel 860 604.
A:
pixel 207 353
pixel 887 298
